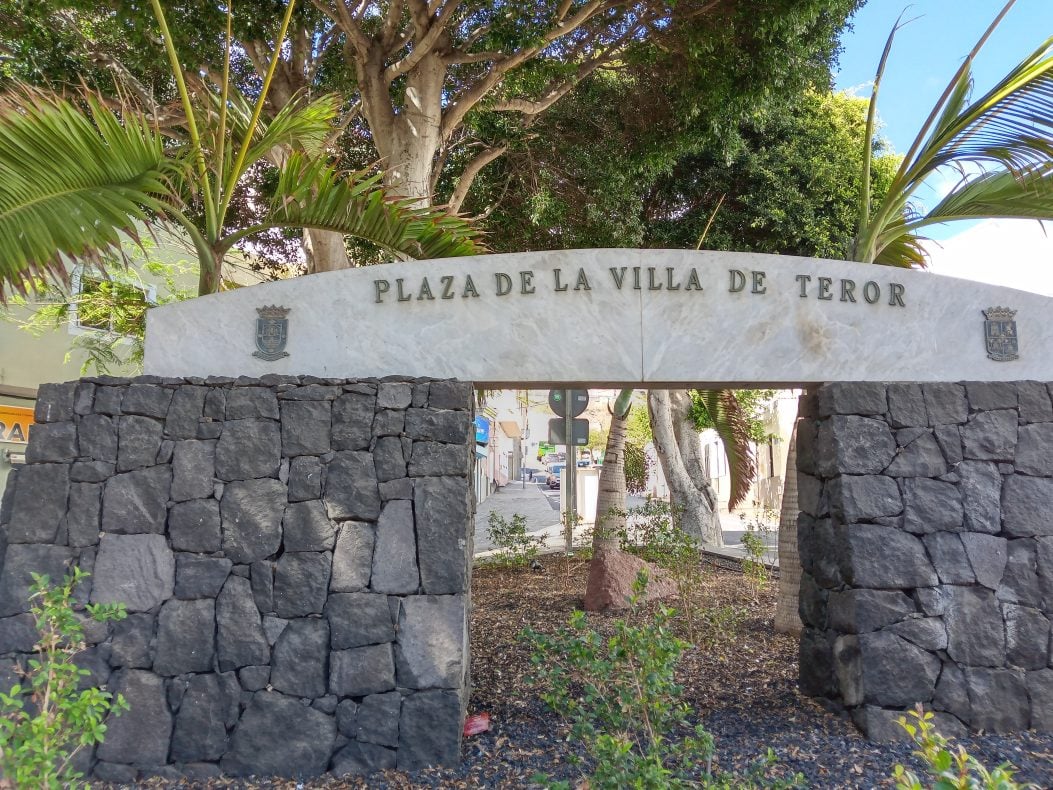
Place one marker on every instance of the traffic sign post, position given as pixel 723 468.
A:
pixel 558 400
pixel 568 404
pixel 557 431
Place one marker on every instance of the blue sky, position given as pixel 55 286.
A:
pixel 925 55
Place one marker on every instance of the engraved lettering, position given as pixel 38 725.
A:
pixel 381 287
pixel 504 284
pixel 651 284
pixel 824 288
pixel 804 279
pixel 693 283
pixel 525 282
pixel 618 275
pixel 583 282
pixel 469 287
pixel 447 287
pixel 669 280
pixel 758 283
pixel 398 287
pixel 871 292
pixel 847 287
pixel 738 281
pixel 895 297
pixel 559 286
pixel 636 278
pixel 425 290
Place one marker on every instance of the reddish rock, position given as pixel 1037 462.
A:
pixel 611 576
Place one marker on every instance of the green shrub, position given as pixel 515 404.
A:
pixel 514 546
pixel 46 720
pixel 949 769
pixel 624 704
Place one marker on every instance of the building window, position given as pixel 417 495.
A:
pixel 99 302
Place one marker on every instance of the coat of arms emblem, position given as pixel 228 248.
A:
pixel 1000 333
pixel 272 332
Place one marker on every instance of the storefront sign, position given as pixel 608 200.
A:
pixel 14 424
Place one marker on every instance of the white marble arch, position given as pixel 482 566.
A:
pixel 612 317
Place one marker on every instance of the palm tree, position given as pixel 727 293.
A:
pixel 76 176
pixel 1001 145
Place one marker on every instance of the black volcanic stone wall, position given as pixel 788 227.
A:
pixel 294 554
pixel 926 543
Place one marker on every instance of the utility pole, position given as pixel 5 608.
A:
pixel 571 515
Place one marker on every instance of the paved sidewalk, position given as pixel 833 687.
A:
pixel 530 502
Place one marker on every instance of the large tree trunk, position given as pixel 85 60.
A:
pixel 787 618
pixel 324 250
pixel 610 501
pixel 693 499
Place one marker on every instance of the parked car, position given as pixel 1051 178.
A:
pixel 553 478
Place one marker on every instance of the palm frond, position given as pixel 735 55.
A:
pixel 312 194
pixel 732 425
pixel 74 178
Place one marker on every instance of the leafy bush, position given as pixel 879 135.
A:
pixel 754 541
pixel 46 720
pixel 950 770
pixel 515 547
pixel 624 704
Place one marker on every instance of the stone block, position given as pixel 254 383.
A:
pixel 854 445
pixel 240 640
pixel 138 442
pixel 278 736
pixel 193 469
pixel 54 402
pixel 862 398
pixel 353 557
pixel 200 577
pixel 305 478
pixel 394 569
pixel 18 634
pixel 254 678
pixel 250 403
pixel 199 732
pixel 432 645
pixel 990 395
pixel 998 699
pixel 251 512
pixel 358 619
pixel 377 719
pixel 448 426
pixel 949 438
pixel 895 672
pixel 975 634
pixel 906 406
pixel 980 485
pixel 20 562
pixel 353 421
pixel 987 557
pixel 298 664
pixel 351 490
pixel 306 427
pixel 148 400
pixel 140 735
pixel 248 449
pixel 301 582
pixel 432 459
pixel 389 422
pixel 819 548
pixel 84 517
pixel 1020 582
pixel 394 395
pixel 952 692
pixel 1034 450
pixel 262 579
pixel 855 498
pixel 817 674
pixel 97 438
pixel 184 412
pixel 306 527
pixel 90 471
pixel 346 714
pixel 450 395
pixel 928 633
pixel 136 502
pixel 136 570
pixel 37 503
pixel 945 403
pixel 362 670
pixel 879 557
pixel 396 489
pixel 195 525
pixel 931 505
pixel 310 391
pixel 1034 402
pixel 1040 690
pixel 809 493
pixel 388 459
pixel 362 759
pixel 108 400
pixel 216 405
pixel 131 642
pixel 430 730
pixel 185 637
pixel 1027 506
pixel 1027 637
pixel 812 602
pixel 921 457
pixel 54 442
pixel 948 556
pixel 441 505
pixel 861 611
pixel 990 436
pixel 807 441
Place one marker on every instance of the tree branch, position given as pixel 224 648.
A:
pixel 464 183
pixel 432 29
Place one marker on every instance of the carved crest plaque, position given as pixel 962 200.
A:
pixel 1000 333
pixel 272 332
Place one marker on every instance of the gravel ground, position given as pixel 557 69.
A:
pixel 740 680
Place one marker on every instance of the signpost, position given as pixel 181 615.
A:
pixel 568 404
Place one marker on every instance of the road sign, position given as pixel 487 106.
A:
pixel 557 431
pixel 579 399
